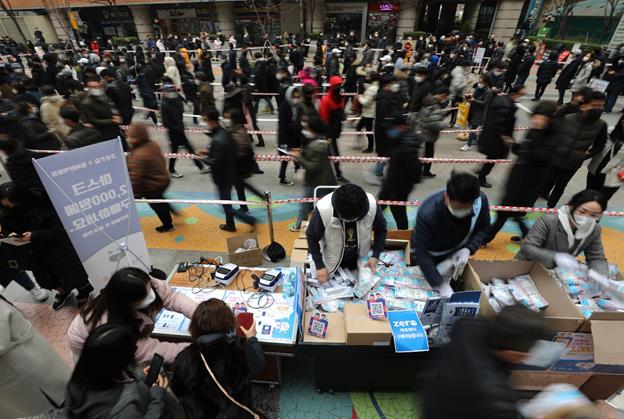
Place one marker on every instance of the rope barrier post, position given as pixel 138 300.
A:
pixel 273 252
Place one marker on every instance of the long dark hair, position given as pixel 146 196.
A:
pixel 588 195
pixel 125 287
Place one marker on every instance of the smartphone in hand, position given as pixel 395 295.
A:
pixel 154 370
pixel 246 320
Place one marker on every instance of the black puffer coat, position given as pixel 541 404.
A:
pixel 500 121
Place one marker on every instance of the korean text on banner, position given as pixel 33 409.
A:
pixel 408 333
pixel 91 192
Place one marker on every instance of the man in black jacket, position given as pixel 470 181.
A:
pixel 120 94
pixel 222 161
pixel 171 110
pixel 422 87
pixel 477 363
pixel 580 137
pixel 97 110
pixel 79 136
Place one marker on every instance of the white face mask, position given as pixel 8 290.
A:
pixel 147 301
pixel 419 79
pixel 395 88
pixel 497 72
pixel 585 59
pixel 583 220
pixel 459 213
pixel 481 85
pixel 170 95
pixel 97 91
pixel 227 122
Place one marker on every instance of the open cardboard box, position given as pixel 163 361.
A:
pixel 251 257
pixel 561 313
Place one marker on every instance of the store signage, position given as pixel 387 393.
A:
pixel 384 7
pixel 533 12
pixel 91 193
pixel 345 7
pixel 407 331
pixel 176 13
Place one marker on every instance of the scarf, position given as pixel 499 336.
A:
pixel 581 233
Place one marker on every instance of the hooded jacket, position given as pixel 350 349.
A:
pixel 147 168
pixel 332 108
pixel 288 128
pixel 171 71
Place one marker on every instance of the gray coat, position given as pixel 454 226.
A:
pixel 28 362
pixel 547 237
pixel 431 120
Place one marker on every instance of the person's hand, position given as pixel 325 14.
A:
pixel 26 237
pixel 322 275
pixel 372 264
pixel 295 153
pixel 117 119
pixel 444 289
pixel 567 261
pixel 249 333
pixel 162 381
pixel 460 258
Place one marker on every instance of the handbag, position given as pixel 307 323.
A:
pixel 462 114
pixel 230 398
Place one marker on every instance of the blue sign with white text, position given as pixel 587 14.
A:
pixel 408 332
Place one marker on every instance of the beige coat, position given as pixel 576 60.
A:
pixel 50 115
pixel 28 362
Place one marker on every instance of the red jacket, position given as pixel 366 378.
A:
pixel 332 108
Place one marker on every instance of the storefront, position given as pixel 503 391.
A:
pixel 254 21
pixel 182 21
pixel 106 22
pixel 383 18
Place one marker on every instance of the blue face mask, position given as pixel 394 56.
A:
pixel 393 133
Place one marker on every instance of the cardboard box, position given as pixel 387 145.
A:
pixel 360 330
pixel 248 257
pixel 335 329
pixel 562 314
pixel 298 258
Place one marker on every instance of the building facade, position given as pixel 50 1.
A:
pixel 65 19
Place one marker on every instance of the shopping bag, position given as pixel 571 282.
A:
pixel 462 114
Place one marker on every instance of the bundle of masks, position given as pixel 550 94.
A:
pixel 402 287
pixel 590 296
pixel 520 289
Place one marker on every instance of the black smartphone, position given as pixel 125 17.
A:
pixel 154 370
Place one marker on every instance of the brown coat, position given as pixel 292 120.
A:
pixel 147 169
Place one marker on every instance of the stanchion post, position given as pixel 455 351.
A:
pixel 273 252
pixel 267 198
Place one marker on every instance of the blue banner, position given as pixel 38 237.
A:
pixel 408 333
pixel 91 192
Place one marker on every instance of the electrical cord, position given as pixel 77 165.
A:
pixel 260 300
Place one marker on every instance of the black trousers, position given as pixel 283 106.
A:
pixel 162 210
pixel 256 128
pixel 225 193
pixel 333 151
pixel 555 184
pixel 539 90
pixel 486 169
pixel 240 187
pixel 429 152
pixel 399 212
pixel 367 124
pixel 561 95
pixel 501 218
pixel 178 139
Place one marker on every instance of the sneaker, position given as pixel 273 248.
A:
pixel 286 182
pixel 293 227
pixel 39 294
pixel 164 228
pixel 61 299
pixel 259 172
pixel 176 175
pixel 485 184
pixel 205 170
pixel 243 209
pixel 367 150
pixel 227 227
pixel 465 147
pixel 429 175
pixel 516 239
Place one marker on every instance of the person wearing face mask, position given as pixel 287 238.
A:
pixel 233 360
pixel 479 360
pixel 339 232
pixel 288 129
pixel 615 77
pixel 479 101
pixel 422 87
pixel 497 76
pixel 32 131
pixel 367 102
pixel 388 105
pixel 555 240
pixel 171 112
pixel 580 136
pixel 582 76
pixel 332 113
pixel 545 73
pixel 96 109
pixel 450 226
pixel 567 74
pixel 431 122
pixel 132 299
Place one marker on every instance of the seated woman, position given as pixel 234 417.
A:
pixel 102 385
pixel 555 240
pixel 132 299
pixel 217 353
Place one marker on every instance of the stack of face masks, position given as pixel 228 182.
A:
pixel 520 289
pixel 588 295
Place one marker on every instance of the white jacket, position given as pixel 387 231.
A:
pixel 172 72
pixel 332 245
pixel 582 76
pixel 458 82
pixel 367 100
pixel 611 170
pixel 161 45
